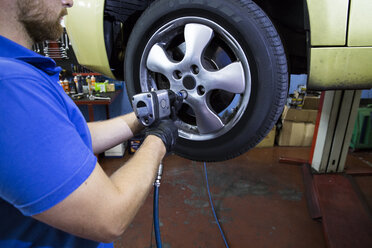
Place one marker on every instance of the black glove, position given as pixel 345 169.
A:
pixel 167 131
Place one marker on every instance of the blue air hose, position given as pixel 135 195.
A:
pixel 156 217
pixel 156 207
pixel 213 211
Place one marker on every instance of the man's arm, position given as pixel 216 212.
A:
pixel 103 207
pixel 109 133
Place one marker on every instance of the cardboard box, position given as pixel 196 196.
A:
pixel 110 88
pixel 296 134
pixel 311 102
pixel 269 140
pixel 299 115
pixel 116 151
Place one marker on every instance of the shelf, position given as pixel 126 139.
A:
pixel 87 74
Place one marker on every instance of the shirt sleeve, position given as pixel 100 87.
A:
pixel 43 157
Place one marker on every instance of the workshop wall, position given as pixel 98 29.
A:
pixel 296 80
pixel 366 94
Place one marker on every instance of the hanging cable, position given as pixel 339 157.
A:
pixel 211 202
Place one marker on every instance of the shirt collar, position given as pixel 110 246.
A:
pixel 11 49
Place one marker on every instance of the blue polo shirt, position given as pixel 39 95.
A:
pixel 45 149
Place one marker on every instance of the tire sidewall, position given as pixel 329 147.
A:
pixel 238 18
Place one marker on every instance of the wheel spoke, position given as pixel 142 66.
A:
pixel 158 61
pixel 206 120
pixel 230 78
pixel 197 37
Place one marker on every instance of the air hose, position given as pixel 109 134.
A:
pixel 156 207
pixel 212 207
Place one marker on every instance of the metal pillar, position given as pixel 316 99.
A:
pixel 338 112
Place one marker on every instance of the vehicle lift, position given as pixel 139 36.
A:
pixel 332 195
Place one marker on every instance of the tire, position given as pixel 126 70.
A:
pixel 235 72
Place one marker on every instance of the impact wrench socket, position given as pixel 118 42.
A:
pixel 153 106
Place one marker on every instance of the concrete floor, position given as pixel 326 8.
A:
pixel 259 202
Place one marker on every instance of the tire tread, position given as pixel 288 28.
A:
pixel 276 45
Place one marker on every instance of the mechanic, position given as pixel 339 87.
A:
pixel 53 192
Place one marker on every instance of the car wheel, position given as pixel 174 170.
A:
pixel 227 56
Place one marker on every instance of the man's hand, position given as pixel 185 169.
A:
pixel 167 131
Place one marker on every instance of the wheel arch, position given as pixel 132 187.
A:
pixel 291 18
pixel 120 16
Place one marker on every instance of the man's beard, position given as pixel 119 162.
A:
pixel 35 18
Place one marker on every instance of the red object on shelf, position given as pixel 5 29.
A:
pixel 86 74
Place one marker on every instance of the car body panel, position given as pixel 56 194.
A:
pixel 340 67
pixel 340 54
pixel 360 31
pixel 328 22
pixel 84 24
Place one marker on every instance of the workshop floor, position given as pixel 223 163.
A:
pixel 259 201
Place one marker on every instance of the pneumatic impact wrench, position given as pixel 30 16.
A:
pixel 151 107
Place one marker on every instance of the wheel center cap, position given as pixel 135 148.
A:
pixel 189 82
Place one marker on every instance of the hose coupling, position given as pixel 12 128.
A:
pixel 158 177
